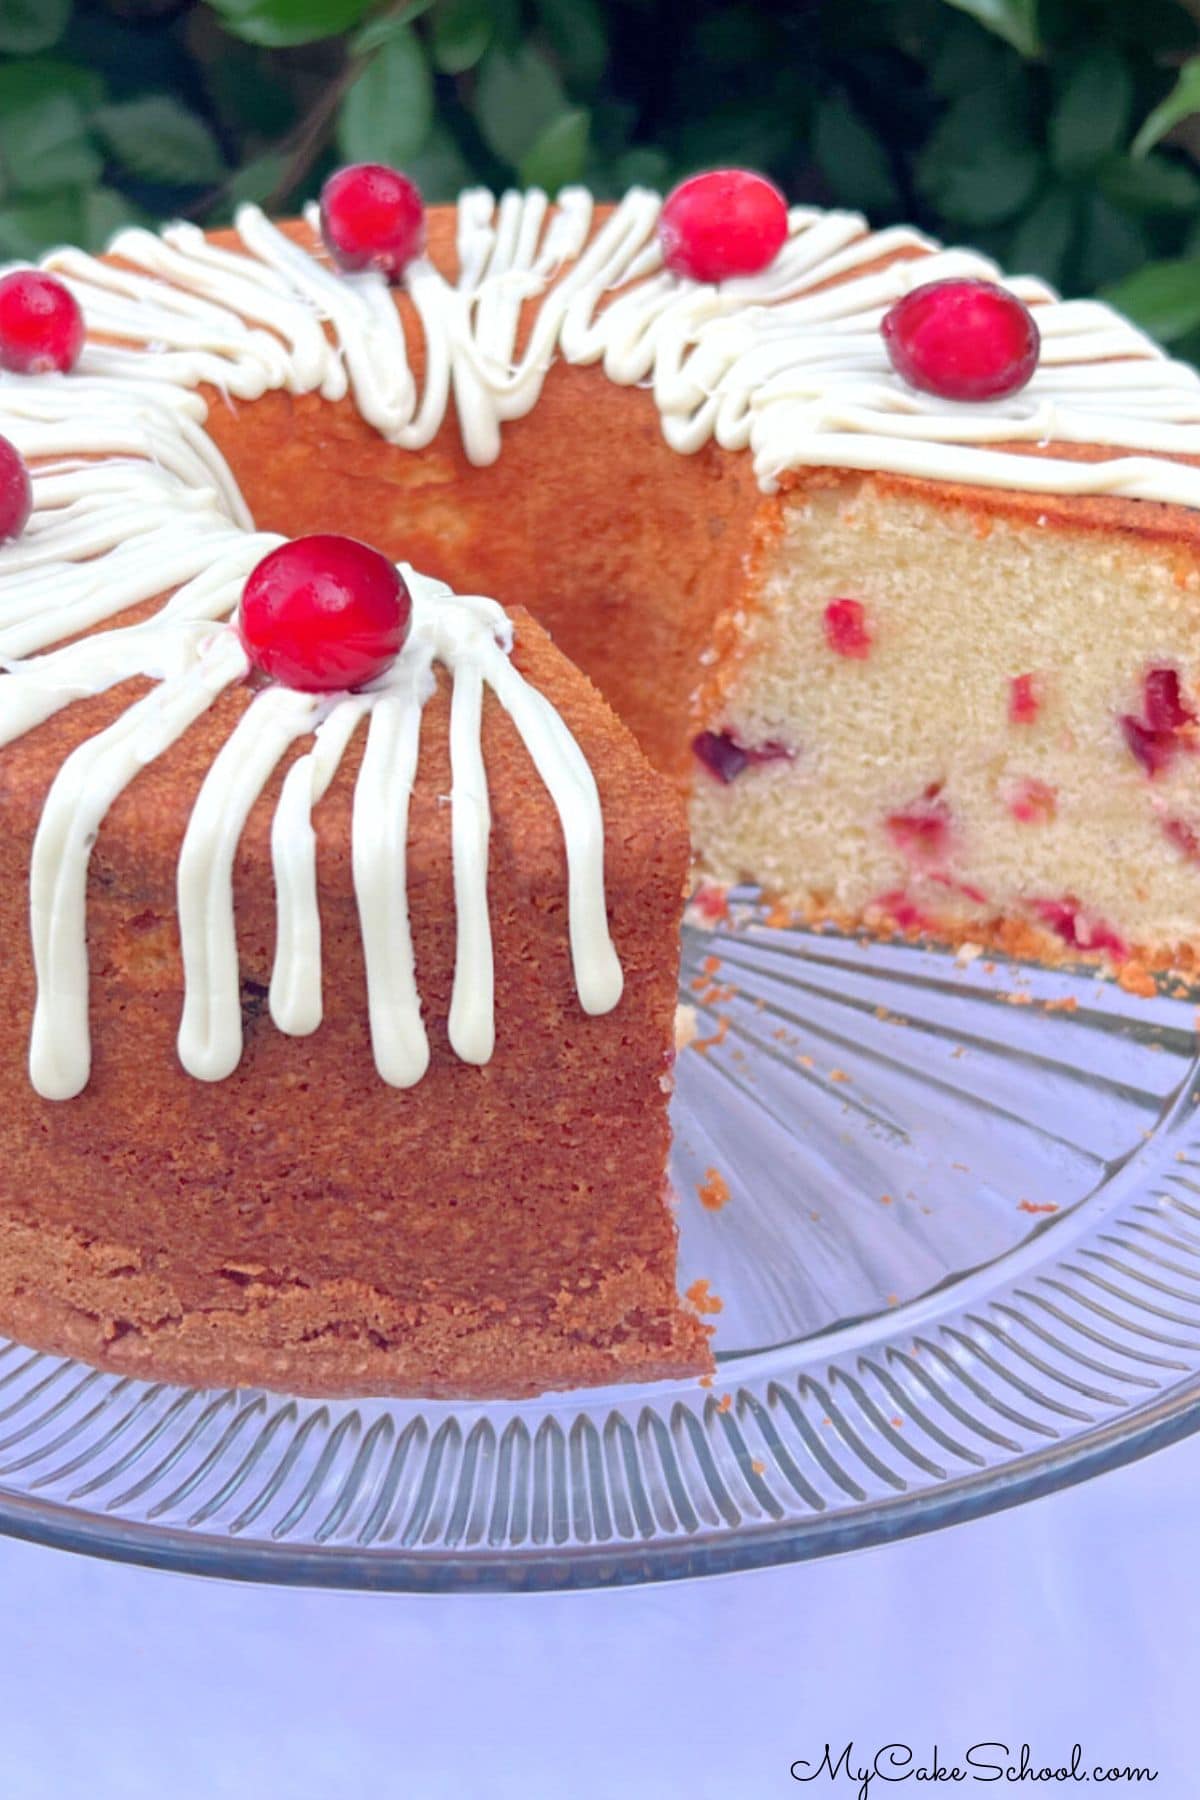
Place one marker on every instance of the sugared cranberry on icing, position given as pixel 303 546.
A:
pixel 725 758
pixel 728 222
pixel 1024 700
pixel 324 613
pixel 964 340
pixel 1164 727
pixel 1067 919
pixel 16 491
pixel 41 326
pixel 372 217
pixel 922 831
pixel 846 629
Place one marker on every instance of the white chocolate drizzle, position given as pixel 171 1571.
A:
pixel 134 502
pixel 788 364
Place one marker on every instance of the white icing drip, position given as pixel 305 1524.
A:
pixel 133 502
pixel 380 849
pixel 81 794
pixel 295 994
pixel 210 1031
pixel 472 1022
pixel 572 786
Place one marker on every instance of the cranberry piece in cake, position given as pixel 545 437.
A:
pixel 725 758
pixel 372 217
pixel 1164 708
pixel 1185 838
pixel 41 325
pixel 16 491
pixel 962 340
pixel 1024 700
pixel 1030 801
pixel 1163 728
pixel 846 630
pixel 324 613
pixel 1067 919
pixel 728 222
pixel 922 831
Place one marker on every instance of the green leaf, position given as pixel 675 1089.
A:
pixel 462 31
pixel 1016 21
pixel 1092 115
pixel 516 99
pixel 641 166
pixel 45 146
pixel 1182 101
pixel 1162 297
pixel 578 35
pixel 981 165
pixel 28 25
pixel 1041 244
pixel 1111 244
pixel 557 155
pixel 962 59
pixel 22 83
pixel 852 157
pixel 1153 185
pixel 988 190
pixel 377 31
pixel 160 140
pixel 277 23
pixel 256 180
pixel 387 114
pixel 440 169
pixel 29 227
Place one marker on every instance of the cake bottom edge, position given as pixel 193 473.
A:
pixel 66 1295
pixel 1138 968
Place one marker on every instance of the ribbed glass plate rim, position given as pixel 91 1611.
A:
pixel 1173 1417
pixel 1070 1355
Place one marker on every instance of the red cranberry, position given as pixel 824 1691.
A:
pixel 922 832
pixel 372 217
pixel 1024 701
pixel 16 491
pixel 964 340
pixel 725 758
pixel 324 613
pixel 1067 919
pixel 846 630
pixel 1162 730
pixel 41 326
pixel 728 222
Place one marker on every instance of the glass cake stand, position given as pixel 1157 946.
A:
pixel 958 1267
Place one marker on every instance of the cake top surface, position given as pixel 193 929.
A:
pixel 133 502
pixel 789 364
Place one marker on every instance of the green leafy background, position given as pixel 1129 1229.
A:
pixel 1060 135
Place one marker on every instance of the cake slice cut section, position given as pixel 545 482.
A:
pixel 970 714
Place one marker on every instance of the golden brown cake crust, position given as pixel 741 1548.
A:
pixel 494 1229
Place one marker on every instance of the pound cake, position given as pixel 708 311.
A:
pixel 349 1006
